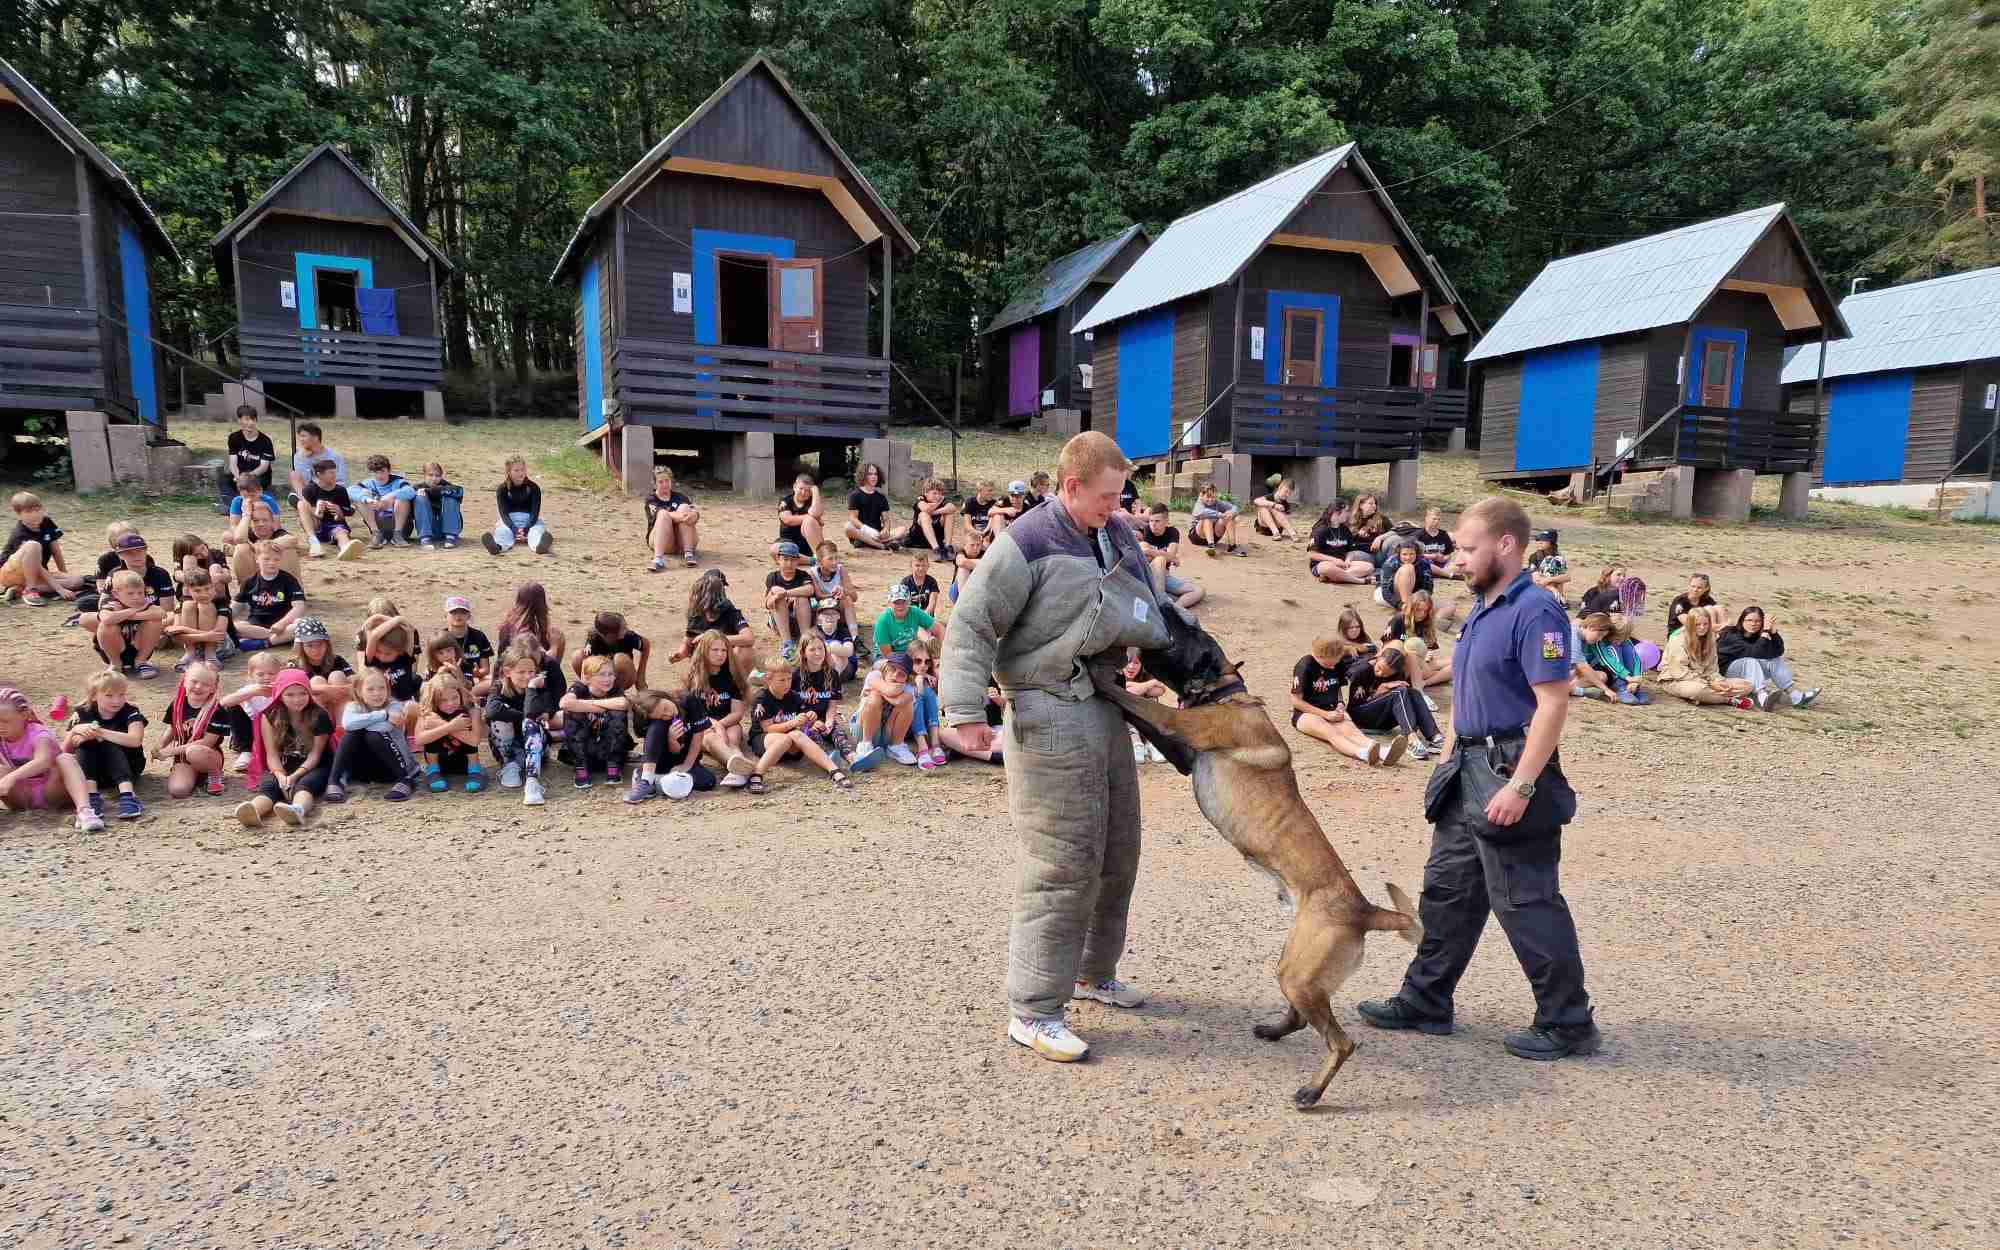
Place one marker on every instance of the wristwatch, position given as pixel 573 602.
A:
pixel 1526 789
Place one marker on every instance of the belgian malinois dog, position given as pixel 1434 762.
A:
pixel 1243 781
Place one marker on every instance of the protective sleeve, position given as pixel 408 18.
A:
pixel 993 598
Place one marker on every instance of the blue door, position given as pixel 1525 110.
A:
pixel 1146 384
pixel 593 358
pixel 1867 428
pixel 139 325
pixel 1558 408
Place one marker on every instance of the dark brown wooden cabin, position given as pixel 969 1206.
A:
pixel 335 287
pixel 1030 350
pixel 1674 342
pixel 1346 335
pixel 1914 397
pixel 78 251
pixel 724 285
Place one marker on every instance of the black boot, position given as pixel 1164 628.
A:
pixel 1394 1013
pixel 1554 1043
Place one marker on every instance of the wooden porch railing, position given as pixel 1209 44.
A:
pixel 50 357
pixel 1446 411
pixel 1732 438
pixel 710 387
pixel 1355 423
pixel 332 357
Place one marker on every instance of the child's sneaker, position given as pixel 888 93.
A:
pixel 350 550
pixel 438 784
pixel 475 780
pixel 926 763
pixel 128 807
pixel 88 821
pixel 659 565
pixel 583 779
pixel 534 796
pixel 215 785
pixel 242 764
pixel 292 814
pixel 642 789
pixel 510 775
pixel 866 757
pixel 901 753
pixel 611 773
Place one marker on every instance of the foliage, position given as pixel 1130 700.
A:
pixel 1006 132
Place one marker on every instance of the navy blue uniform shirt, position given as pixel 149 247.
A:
pixel 1512 642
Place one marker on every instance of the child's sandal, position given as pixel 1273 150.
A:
pixel 839 777
pixel 756 783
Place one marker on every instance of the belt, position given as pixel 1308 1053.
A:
pixel 1496 737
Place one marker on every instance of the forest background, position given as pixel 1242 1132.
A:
pixel 1006 132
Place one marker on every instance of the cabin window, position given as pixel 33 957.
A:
pixel 743 298
pixel 334 291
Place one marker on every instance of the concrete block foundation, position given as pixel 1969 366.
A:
pixel 635 459
pixel 1401 497
pixel 1722 494
pixel 1794 493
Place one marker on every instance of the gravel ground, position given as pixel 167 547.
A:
pixel 777 1021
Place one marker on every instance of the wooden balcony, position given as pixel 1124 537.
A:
pixel 1733 438
pixel 698 386
pixel 1358 424
pixel 50 358
pixel 393 362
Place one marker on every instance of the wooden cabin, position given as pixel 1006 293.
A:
pixel 78 321
pixel 1299 320
pixel 336 292
pixel 1032 357
pixel 1908 399
pixel 1659 354
pixel 724 289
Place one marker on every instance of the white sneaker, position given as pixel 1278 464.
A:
pixel 291 814
pixel 242 764
pixel 1430 703
pixel 901 753
pixel 1139 752
pixel 534 797
pixel 88 821
pixel 1111 990
pixel 1051 1039
pixel 510 776
pixel 733 782
pixel 317 550
pixel 350 550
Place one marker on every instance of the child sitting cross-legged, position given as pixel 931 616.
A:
pixel 191 741
pixel 374 741
pixel 449 731
pixel 107 735
pixel 288 763
pixel 273 600
pixel 594 722
pixel 818 680
pixel 711 684
pixel 888 709
pixel 668 731
pixel 517 717
pixel 785 728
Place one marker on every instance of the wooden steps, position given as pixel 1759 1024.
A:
pixel 1639 493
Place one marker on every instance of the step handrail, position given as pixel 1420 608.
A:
pixel 1598 473
pixel 943 420
pixel 294 413
pixel 1188 429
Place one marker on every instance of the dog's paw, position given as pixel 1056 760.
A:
pixel 1267 1032
pixel 1305 1098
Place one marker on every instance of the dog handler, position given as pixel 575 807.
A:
pixel 1498 801
pixel 1064 583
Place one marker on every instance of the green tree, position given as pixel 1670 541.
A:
pixel 1942 121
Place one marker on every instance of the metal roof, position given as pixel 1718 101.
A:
pixel 327 149
pixel 1660 280
pixel 38 106
pixel 1919 325
pixel 893 225
pixel 1058 284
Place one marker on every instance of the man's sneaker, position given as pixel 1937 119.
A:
pixel 866 757
pixel 88 821
pixel 534 797
pixel 1553 1043
pixel 901 753
pixel 1394 1013
pixel 492 546
pixel 659 565
pixel 641 790
pixel 510 776
pixel 128 807
pixel 543 543
pixel 1110 990
pixel 1049 1038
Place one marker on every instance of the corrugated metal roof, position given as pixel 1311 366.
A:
pixel 1205 248
pixel 1660 280
pixel 1058 284
pixel 1919 325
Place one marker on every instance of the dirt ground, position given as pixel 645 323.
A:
pixel 778 1021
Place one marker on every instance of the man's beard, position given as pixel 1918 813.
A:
pixel 1486 580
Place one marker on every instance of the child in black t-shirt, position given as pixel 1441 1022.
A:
pixel 788 596
pixel 830 632
pixel 627 649
pixel 710 681
pixel 31 566
pixel 709 607
pixel 932 519
pixel 107 735
pixel 475 650
pixel 820 679
pixel 328 506
pixel 273 600
pixel 922 586
pixel 1274 512
pixel 1335 554
pixel 965 562
pixel 669 729
pixel 1437 545
pixel 594 722
pixel 785 727
pixel 673 523
pixel 1316 712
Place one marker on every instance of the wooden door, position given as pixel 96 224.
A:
pixel 1718 369
pixel 797 306
pixel 1303 327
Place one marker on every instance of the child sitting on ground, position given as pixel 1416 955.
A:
pixel 709 609
pixel 517 718
pixel 1317 680
pixel 191 739
pixel 964 562
pixel 785 728
pixel 1274 512
pixel 831 584
pixel 201 624
pixel 594 722
pixel 1547 566
pixel 922 586
pixel 374 741
pixel 289 760
pixel 35 772
pixel 328 506
pixel 385 498
pixel 107 735
pixel 273 600
pixel 260 525
pixel 250 491
pixel 130 625
pixel 1439 550
pixel 438 510
pixel 712 685
pixel 819 680
pixel 788 595
pixel 924 725
pixel 246 703
pixel 979 511
pixel 626 648
pixel 1214 524
pixel 931 521
pixel 32 566
pixel 673 523
pixel 888 709
pixel 1135 680
pixel 519 499
pixel 667 731
pixel 331 677
pixel 475 650
pixel 449 732
pixel 389 643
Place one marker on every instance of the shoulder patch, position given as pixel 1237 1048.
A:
pixel 1552 646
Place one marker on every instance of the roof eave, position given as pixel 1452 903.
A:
pixel 248 215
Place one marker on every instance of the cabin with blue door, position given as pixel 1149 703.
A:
pixel 1912 401
pixel 1030 356
pixel 1298 324
pixel 1659 356
pixel 724 290
pixel 79 255
pixel 336 293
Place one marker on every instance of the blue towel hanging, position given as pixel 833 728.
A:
pixel 377 307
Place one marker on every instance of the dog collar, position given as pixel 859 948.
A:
pixel 1234 685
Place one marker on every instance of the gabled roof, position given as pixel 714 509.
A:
pixel 1210 246
pixel 1059 283
pixel 47 114
pixel 1660 280
pixel 1919 325
pixel 643 169
pixel 250 214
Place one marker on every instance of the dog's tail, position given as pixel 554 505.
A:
pixel 1402 921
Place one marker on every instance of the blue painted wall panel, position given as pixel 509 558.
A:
pixel 706 244
pixel 303 264
pixel 1698 350
pixel 593 353
pixel 1558 408
pixel 139 324
pixel 1146 384
pixel 1275 305
pixel 1867 428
